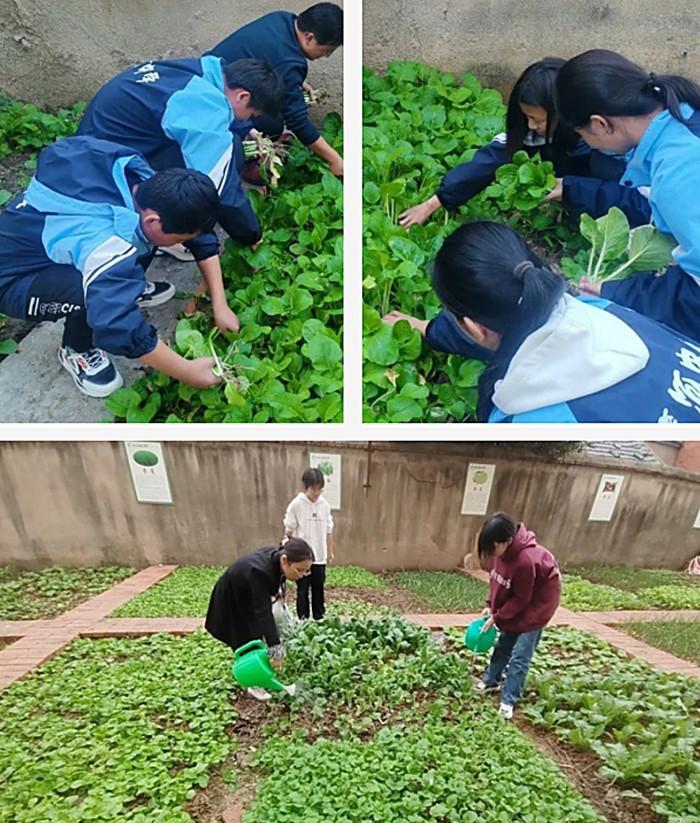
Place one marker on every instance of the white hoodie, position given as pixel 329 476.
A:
pixel 579 351
pixel 312 522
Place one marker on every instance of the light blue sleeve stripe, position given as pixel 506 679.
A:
pixel 197 118
pixel 70 239
pixel 560 413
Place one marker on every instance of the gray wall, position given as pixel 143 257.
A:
pixel 55 52
pixel 73 503
pixel 497 39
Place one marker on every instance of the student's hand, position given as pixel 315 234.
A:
pixel 276 663
pixel 394 317
pixel 226 320
pixel 336 166
pixel 556 194
pixel 486 612
pixel 256 246
pixel 331 557
pixel 489 624
pixel 417 215
pixel 589 287
pixel 199 373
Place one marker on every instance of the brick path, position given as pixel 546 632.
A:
pixel 39 640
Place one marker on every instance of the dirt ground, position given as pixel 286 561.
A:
pixel 400 599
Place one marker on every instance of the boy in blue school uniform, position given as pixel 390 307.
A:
pixel 287 42
pixel 75 246
pixel 179 114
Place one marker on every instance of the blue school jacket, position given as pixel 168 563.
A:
pixel 273 38
pixel 175 114
pixel 78 211
pixel 580 167
pixel 592 362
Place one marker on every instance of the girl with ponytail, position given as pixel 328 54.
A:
pixel 617 106
pixel 552 356
pixel 531 126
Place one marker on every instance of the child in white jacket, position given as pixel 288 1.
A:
pixel 309 517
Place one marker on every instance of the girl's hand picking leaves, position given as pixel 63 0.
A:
pixel 556 194
pixel 417 215
pixel 589 287
pixel 336 166
pixel 226 320
pixel 200 375
pixel 489 624
pixel 394 317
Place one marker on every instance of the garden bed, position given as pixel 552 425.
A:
pixel 442 592
pixel 679 637
pixel 633 580
pixel 34 595
pixel 580 594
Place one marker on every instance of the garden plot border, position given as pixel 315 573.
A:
pixel 36 641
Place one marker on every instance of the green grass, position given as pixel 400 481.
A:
pixel 633 580
pixel 352 577
pixel 115 730
pixel 184 593
pixel 443 591
pixel 30 595
pixel 679 637
pixel 582 595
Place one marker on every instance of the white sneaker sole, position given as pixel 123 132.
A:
pixel 179 252
pixel 150 302
pixel 92 391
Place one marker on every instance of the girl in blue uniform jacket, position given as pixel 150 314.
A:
pixel 531 125
pixel 616 106
pixel 553 357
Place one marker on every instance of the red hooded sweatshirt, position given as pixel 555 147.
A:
pixel 525 585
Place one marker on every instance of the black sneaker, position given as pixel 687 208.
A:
pixel 92 371
pixel 156 293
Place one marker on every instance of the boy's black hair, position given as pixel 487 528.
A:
pixel 186 200
pixel 485 271
pixel 261 80
pixel 497 529
pixel 325 22
pixel 313 477
pixel 606 83
pixel 297 550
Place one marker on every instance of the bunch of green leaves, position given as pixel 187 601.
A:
pixel 616 251
pixel 471 769
pixel 23 127
pixel 671 597
pixel 444 591
pixel 522 184
pixel 371 667
pixel 288 295
pixel 28 595
pixel 184 593
pixel 353 577
pixel 643 724
pixel 581 595
pixel 112 730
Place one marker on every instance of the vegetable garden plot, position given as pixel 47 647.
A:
pixel 580 594
pixel 679 637
pixel 285 365
pixel 30 595
pixel 643 724
pixel 419 123
pixel 633 580
pixel 443 591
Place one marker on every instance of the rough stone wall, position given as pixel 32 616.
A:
pixel 73 504
pixel 497 39
pixel 56 52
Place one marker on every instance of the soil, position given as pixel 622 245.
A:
pixel 400 599
pixel 581 769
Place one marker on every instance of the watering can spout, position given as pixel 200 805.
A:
pixel 252 668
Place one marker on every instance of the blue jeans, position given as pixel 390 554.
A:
pixel 513 651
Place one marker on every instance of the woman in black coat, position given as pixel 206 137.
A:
pixel 240 607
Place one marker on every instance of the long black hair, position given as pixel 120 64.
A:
pixel 534 87
pixel 485 271
pixel 606 83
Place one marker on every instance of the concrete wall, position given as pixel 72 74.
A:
pixel 55 52
pixel 73 503
pixel 497 39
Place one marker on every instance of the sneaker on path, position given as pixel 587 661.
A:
pixel 482 688
pixel 178 251
pixel 258 693
pixel 156 293
pixel 506 710
pixel 92 371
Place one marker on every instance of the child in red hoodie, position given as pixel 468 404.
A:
pixel 524 592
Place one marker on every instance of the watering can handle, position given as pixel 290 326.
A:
pixel 249 647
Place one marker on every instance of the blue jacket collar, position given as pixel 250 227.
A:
pixel 639 169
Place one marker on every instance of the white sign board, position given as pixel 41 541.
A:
pixel 606 497
pixel 696 525
pixel 477 489
pixel 148 472
pixel 329 464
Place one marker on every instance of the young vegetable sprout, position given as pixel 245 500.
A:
pixel 270 154
pixel 227 371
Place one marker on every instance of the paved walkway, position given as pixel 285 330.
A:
pixel 38 640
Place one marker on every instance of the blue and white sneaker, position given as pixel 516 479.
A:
pixel 156 293
pixel 92 371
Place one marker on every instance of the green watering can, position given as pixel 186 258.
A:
pixel 478 641
pixel 251 667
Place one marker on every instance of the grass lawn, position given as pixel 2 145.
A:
pixel 443 591
pixel 633 580
pixel 679 637
pixel 31 595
